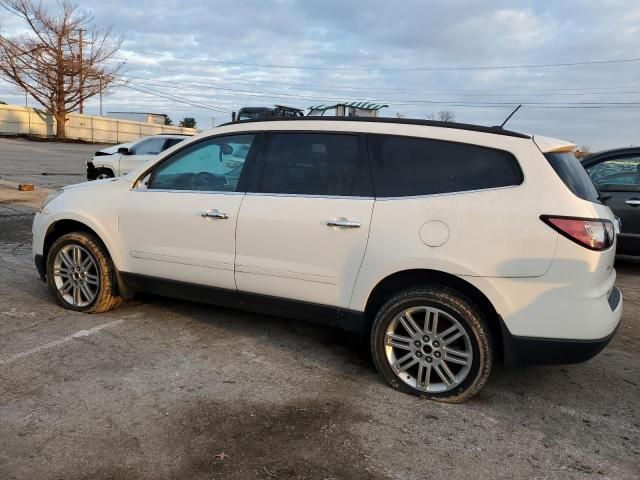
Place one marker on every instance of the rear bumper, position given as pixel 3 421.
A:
pixel 520 350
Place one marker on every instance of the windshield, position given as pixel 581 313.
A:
pixel 576 178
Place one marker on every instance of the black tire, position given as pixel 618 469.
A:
pixel 106 297
pixel 454 305
pixel 102 173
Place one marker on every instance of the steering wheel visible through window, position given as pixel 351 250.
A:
pixel 212 165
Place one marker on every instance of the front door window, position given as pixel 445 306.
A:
pixel 214 165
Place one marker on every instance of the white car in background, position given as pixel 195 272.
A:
pixel 121 159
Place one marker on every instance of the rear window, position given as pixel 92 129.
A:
pixel 407 166
pixel 574 176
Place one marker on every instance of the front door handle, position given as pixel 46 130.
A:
pixel 343 223
pixel 214 214
pixel 634 202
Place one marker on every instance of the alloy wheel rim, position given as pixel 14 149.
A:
pixel 428 349
pixel 75 274
pixel 102 176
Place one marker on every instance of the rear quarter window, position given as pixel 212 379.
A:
pixel 574 176
pixel 408 166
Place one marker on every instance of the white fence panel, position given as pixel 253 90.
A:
pixel 16 120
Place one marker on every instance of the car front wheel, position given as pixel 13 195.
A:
pixel 103 173
pixel 80 274
pixel 432 342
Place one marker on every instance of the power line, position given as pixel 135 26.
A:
pixel 177 84
pixel 259 94
pixel 391 91
pixel 549 92
pixel 174 98
pixel 392 69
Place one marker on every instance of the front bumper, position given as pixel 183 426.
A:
pixel 41 267
pixel 41 223
pixel 92 171
pixel 543 351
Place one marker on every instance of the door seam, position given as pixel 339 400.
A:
pixel 235 242
pixel 364 254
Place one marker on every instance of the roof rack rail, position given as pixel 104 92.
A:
pixel 405 121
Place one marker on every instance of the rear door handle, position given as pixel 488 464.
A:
pixel 343 223
pixel 634 202
pixel 214 214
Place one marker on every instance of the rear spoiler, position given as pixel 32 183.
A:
pixel 553 145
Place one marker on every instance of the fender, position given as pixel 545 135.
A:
pixel 110 243
pixel 368 280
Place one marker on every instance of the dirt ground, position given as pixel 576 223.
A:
pixel 163 389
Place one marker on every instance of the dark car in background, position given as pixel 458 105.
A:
pixel 616 174
pixel 261 113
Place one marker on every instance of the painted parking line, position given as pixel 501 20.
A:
pixel 55 343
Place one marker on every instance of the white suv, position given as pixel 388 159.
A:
pixel 121 159
pixel 450 245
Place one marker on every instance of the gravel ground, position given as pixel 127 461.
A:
pixel 163 389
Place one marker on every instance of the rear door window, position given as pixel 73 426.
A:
pixel 407 166
pixel 574 176
pixel 312 164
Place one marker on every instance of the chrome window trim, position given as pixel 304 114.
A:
pixel 303 195
pixel 208 192
pixel 461 192
pixel 330 197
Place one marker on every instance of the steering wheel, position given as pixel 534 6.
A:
pixel 204 181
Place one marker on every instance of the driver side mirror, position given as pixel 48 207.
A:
pixel 124 151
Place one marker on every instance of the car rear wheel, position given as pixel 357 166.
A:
pixel 432 342
pixel 80 274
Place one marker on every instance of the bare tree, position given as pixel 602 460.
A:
pixel 62 61
pixel 442 115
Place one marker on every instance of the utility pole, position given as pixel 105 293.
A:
pixel 80 79
pixel 100 79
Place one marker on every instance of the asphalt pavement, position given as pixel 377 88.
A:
pixel 44 163
pixel 164 389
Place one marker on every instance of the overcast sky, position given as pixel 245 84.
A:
pixel 227 54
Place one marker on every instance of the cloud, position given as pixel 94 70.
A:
pixel 173 47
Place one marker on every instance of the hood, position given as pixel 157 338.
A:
pixel 91 183
pixel 113 149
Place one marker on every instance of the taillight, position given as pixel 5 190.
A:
pixel 591 233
